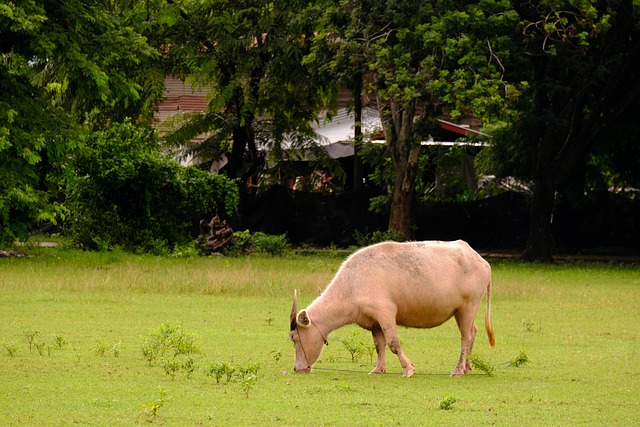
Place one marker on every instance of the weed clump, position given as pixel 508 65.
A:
pixel 167 338
pixel 447 403
pixel 245 375
pixel 150 410
pixel 521 360
pixel 478 363
pixel 356 347
pixel 11 347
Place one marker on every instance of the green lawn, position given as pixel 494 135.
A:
pixel 577 323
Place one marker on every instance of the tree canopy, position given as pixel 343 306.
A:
pixel 555 81
pixel 66 66
pixel 250 56
pixel 579 61
pixel 423 59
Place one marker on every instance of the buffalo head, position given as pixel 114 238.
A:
pixel 307 340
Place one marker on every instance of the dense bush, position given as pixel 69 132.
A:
pixel 245 242
pixel 126 193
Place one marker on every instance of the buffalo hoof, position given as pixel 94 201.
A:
pixel 408 371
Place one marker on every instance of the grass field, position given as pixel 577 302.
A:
pixel 73 325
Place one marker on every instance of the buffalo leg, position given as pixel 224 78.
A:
pixel 474 330
pixel 467 337
pixel 391 336
pixel 381 344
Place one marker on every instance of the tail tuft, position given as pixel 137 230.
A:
pixel 487 318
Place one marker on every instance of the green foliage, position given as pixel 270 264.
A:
pixel 59 341
pixel 574 51
pixel 125 293
pixel 478 363
pixel 521 360
pixel 61 63
pixel 170 338
pixel 220 370
pixel 10 347
pixel 246 242
pixel 248 382
pixel 355 346
pixel 127 194
pixel 104 347
pixel 420 66
pixel 447 403
pixel 40 347
pixel 170 366
pixel 31 338
pixel 252 75
pixel 150 410
pixel 245 375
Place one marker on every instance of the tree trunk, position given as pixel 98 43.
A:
pixel 404 148
pixel 404 155
pixel 402 196
pixel 240 137
pixel 244 158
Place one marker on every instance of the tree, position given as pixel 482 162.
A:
pixel 580 61
pixel 63 63
pixel 126 193
pixel 337 58
pixel 250 55
pixel 426 58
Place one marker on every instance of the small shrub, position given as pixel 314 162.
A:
pixel 216 370
pixel 242 243
pixel 59 341
pixel 170 366
pixel 40 346
pixel 150 411
pixel 447 403
pixel 521 360
pixel 247 382
pixel 271 244
pixel 228 370
pixel 189 366
pixel 246 370
pixel 354 346
pixel 31 336
pixel 168 338
pixel 530 326
pixel 103 347
pixel 481 365
pixel 189 250
pixel 11 348
pixel 245 375
pixel 245 242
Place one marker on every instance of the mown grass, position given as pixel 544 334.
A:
pixel 577 323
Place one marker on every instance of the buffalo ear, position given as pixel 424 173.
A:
pixel 303 319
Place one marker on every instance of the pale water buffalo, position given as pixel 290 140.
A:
pixel 414 284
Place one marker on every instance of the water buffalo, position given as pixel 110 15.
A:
pixel 413 284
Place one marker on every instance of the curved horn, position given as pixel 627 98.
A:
pixel 294 310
